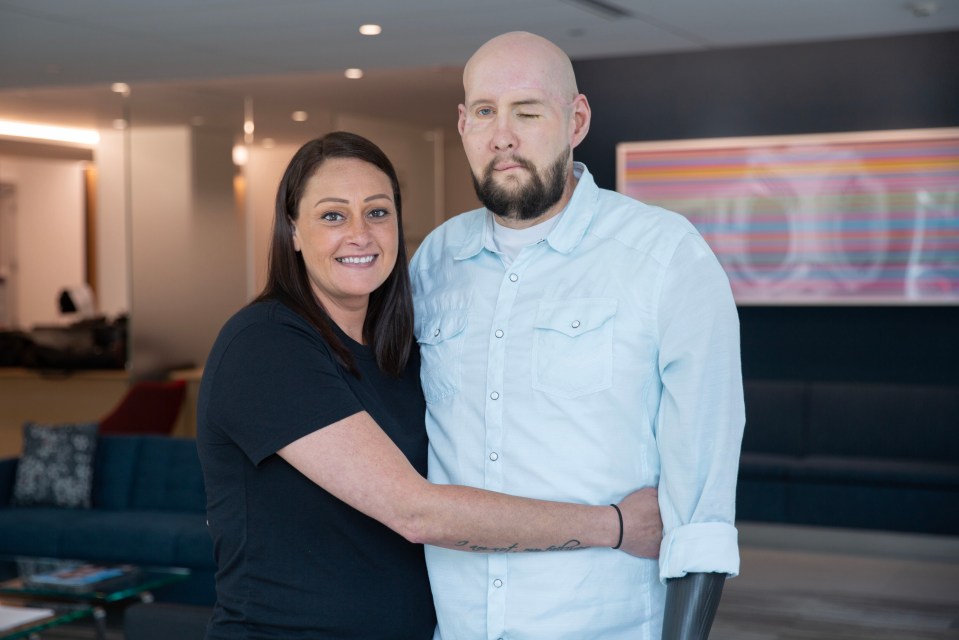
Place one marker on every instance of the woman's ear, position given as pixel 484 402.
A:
pixel 296 239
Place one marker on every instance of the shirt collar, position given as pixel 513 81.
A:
pixel 579 212
pixel 568 232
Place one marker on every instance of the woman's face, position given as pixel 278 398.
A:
pixel 347 231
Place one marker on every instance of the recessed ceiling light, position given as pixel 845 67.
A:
pixel 371 29
pixel 300 116
pixel 923 8
pixel 120 87
pixel 353 74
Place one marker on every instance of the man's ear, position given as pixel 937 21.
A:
pixel 461 121
pixel 579 121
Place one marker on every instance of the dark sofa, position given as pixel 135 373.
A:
pixel 857 455
pixel 148 509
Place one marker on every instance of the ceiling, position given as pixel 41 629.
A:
pixel 200 61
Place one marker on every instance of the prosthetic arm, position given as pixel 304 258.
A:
pixel 691 603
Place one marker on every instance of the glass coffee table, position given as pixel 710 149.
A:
pixel 85 585
pixel 27 618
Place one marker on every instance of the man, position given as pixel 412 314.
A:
pixel 575 344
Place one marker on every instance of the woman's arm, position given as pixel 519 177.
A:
pixel 355 461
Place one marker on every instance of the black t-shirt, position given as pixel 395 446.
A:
pixel 293 561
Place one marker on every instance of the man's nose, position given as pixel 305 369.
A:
pixel 504 138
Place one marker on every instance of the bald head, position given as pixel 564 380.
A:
pixel 520 121
pixel 522 60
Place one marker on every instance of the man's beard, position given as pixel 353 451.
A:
pixel 526 201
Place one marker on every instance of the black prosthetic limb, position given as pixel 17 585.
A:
pixel 691 603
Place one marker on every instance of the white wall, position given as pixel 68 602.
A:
pixel 112 259
pixel 263 170
pixel 50 230
pixel 188 262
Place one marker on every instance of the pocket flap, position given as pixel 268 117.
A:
pixel 574 317
pixel 443 325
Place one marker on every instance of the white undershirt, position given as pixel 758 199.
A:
pixel 509 242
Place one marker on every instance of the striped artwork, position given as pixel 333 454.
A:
pixel 834 218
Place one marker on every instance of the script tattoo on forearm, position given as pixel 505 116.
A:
pixel 569 545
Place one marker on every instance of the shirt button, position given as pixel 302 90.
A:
pixel 575 324
pixel 499 333
pixel 494 456
pixel 497 583
pixel 494 395
pixel 513 277
pixel 436 333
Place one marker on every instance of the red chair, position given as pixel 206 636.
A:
pixel 149 407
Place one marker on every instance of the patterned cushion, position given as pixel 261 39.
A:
pixel 56 468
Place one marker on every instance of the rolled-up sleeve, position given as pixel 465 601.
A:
pixel 701 416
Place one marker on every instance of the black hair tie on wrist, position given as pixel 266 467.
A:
pixel 620 514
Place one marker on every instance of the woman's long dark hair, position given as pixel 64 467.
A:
pixel 388 328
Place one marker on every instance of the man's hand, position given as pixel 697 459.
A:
pixel 642 524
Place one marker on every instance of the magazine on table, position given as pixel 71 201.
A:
pixel 84 577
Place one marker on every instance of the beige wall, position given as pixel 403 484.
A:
pixel 460 195
pixel 263 170
pixel 187 269
pixel 193 258
pixel 113 260
pixel 412 152
pixel 431 165
pixel 49 228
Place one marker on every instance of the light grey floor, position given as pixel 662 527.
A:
pixel 799 583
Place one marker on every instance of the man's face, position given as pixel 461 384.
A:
pixel 517 134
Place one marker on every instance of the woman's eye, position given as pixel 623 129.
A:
pixel 332 216
pixel 378 213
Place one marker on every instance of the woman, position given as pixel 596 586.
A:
pixel 311 430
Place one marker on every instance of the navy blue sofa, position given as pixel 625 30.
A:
pixel 149 508
pixel 856 455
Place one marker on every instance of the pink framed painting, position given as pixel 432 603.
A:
pixel 845 218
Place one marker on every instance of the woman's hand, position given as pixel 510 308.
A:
pixel 642 524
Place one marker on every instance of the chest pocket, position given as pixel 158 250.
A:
pixel 441 344
pixel 573 346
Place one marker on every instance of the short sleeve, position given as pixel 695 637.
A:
pixel 276 382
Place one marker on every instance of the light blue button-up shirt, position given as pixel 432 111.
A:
pixel 602 359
